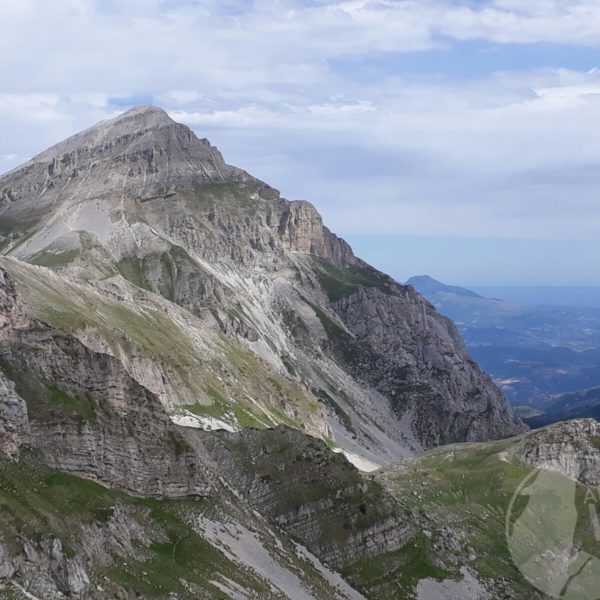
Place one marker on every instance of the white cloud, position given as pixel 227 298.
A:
pixel 262 79
pixel 87 45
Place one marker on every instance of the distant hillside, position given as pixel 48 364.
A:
pixel 426 285
pixel 463 305
pixel 534 352
pixel 573 405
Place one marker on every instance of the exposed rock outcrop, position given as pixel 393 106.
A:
pixel 571 448
pixel 416 357
pixel 14 425
pixel 86 414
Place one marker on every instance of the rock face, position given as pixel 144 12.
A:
pixel 79 411
pixel 46 568
pixel 14 426
pixel 140 203
pixel 571 448
pixel 419 361
pixel 85 414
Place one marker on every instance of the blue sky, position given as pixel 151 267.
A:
pixel 456 138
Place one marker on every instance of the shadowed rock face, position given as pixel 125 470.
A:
pixel 141 198
pixel 419 361
pixel 313 494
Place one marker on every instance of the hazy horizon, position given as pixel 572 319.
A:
pixel 479 262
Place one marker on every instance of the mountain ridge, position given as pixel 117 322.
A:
pixel 149 204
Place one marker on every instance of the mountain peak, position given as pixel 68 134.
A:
pixel 143 115
pixel 141 154
pixel 423 279
pixel 145 109
pixel 133 122
pixel 426 285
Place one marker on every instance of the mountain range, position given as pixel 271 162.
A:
pixel 201 384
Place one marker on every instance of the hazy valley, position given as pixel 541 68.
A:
pixel 536 352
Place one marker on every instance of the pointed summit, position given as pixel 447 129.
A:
pixel 428 286
pixel 146 111
pixel 132 123
pixel 140 154
pixel 143 116
pixel 143 141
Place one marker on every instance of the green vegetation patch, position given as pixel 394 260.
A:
pixel 236 196
pixel 159 272
pixel 70 308
pixel 132 269
pixel 82 407
pixel 54 260
pixel 595 442
pixel 44 398
pixel 397 572
pixel 338 282
pixel 466 488
pixel 231 412
pixel 283 399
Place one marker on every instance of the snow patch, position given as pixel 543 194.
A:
pixel 361 463
pixel 503 457
pixel 189 419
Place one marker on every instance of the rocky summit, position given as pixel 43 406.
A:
pixel 188 361
pixel 273 317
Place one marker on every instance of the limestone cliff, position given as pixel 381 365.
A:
pixel 85 414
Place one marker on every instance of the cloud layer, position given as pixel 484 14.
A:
pixel 391 115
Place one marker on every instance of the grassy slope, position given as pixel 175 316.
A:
pixel 37 502
pixel 146 328
pixel 338 282
pixel 460 494
pixel 467 487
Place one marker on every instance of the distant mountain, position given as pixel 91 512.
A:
pixel 463 305
pixel 427 286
